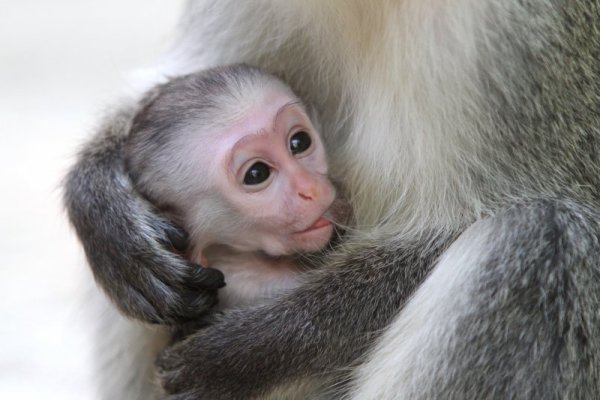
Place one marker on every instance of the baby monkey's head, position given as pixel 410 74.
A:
pixel 234 156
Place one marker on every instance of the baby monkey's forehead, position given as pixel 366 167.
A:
pixel 263 123
pixel 265 113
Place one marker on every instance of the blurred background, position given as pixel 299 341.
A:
pixel 61 63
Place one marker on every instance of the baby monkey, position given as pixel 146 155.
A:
pixel 232 155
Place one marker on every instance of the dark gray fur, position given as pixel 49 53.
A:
pixel 315 330
pixel 534 319
pixel 150 282
pixel 532 330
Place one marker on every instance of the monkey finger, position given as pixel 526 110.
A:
pixel 179 238
pixel 143 306
pixel 167 362
pixel 184 374
pixel 170 301
pixel 190 306
pixel 197 304
pixel 205 278
pixel 174 236
pixel 171 370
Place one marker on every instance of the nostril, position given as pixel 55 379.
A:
pixel 304 196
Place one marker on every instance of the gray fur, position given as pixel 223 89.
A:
pixel 533 317
pixel 150 283
pixel 315 331
pixel 500 127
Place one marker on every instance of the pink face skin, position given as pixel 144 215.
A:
pixel 281 207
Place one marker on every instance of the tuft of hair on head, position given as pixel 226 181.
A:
pixel 208 96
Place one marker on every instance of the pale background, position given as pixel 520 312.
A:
pixel 61 63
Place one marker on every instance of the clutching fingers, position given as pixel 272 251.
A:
pixel 205 278
pixel 175 237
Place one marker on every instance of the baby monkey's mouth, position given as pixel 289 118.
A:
pixel 338 214
pixel 321 222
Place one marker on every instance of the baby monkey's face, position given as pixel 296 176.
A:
pixel 272 171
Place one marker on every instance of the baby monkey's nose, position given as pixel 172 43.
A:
pixel 309 192
pixel 305 196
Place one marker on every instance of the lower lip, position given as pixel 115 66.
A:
pixel 320 223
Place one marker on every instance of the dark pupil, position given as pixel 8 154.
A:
pixel 258 173
pixel 300 142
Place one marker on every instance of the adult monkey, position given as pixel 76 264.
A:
pixel 466 134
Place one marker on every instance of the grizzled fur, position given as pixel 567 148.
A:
pixel 467 137
pixel 152 283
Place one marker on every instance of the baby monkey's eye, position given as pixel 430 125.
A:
pixel 257 174
pixel 300 142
